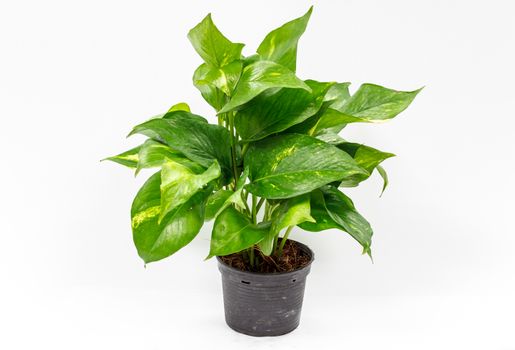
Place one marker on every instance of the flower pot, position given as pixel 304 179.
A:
pixel 264 304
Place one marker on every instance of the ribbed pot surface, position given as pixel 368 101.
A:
pixel 260 304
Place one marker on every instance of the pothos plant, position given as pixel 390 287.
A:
pixel 272 162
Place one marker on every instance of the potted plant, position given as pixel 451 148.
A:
pixel 273 161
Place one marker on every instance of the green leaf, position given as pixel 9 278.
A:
pixel 331 121
pixel 374 103
pixel 251 59
pixel 213 95
pixel 258 77
pixel 331 138
pixel 182 106
pixel 197 140
pixel 180 114
pixel 235 198
pixel 275 111
pixel 153 153
pixel 179 184
pixel 289 165
pixel 370 104
pixel 224 78
pixel 215 83
pixel 289 212
pixel 234 232
pixel 214 48
pixel 338 95
pixel 307 126
pixel 366 157
pixel 323 220
pixel 215 202
pixel 384 175
pixel 156 241
pixel 280 45
pixel 128 158
pixel 217 77
pixel 332 209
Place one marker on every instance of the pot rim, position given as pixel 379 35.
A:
pixel 303 246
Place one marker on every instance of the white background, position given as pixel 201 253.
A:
pixel 76 76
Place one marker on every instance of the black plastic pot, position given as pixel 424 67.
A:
pixel 261 304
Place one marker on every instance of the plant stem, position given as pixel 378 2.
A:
pixel 260 203
pixel 284 239
pixel 276 239
pixel 244 149
pixel 267 210
pixel 230 116
pixel 254 209
pixel 251 256
pixel 249 213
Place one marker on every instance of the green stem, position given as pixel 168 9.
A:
pixel 249 213
pixel 260 203
pixel 284 239
pixel 254 209
pixel 276 239
pixel 267 211
pixel 233 147
pixel 244 149
pixel 253 215
pixel 251 256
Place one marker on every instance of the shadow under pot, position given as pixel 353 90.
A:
pixel 264 304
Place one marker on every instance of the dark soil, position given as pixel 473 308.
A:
pixel 292 258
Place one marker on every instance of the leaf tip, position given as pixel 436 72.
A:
pixel 368 251
pixel 133 131
pixel 310 219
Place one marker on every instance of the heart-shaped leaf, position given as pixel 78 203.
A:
pixel 199 141
pixel 332 209
pixel 374 103
pixel 234 232
pixel 289 165
pixel 370 104
pixel 280 45
pixel 214 48
pixel 216 83
pixel 155 241
pixel 258 77
pixel 275 111
pixel 153 154
pixel 179 184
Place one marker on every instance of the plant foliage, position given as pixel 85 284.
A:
pixel 273 161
